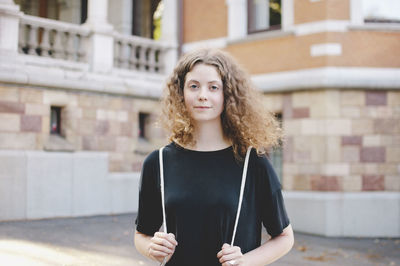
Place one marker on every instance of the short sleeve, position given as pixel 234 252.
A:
pixel 273 212
pixel 149 217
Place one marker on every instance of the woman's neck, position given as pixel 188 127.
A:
pixel 209 136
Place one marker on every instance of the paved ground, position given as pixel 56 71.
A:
pixel 108 240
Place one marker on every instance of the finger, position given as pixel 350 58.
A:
pixel 225 245
pixel 225 251
pixel 229 257
pixel 163 242
pixel 230 250
pixel 156 247
pixel 158 254
pixel 171 238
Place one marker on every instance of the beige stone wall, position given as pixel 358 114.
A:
pixel 359 49
pixel 310 11
pixel 90 122
pixel 206 19
pixel 340 140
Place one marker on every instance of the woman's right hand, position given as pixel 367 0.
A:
pixel 162 245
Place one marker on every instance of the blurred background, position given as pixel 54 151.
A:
pixel 80 83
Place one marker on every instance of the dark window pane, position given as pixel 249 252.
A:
pixel 143 121
pixel 55 120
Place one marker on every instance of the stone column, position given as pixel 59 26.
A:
pixel 169 33
pixel 120 16
pixel 287 14
pixel 356 12
pixel 101 44
pixel 9 27
pixel 237 19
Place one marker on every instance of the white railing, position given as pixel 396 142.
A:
pixel 51 38
pixel 137 53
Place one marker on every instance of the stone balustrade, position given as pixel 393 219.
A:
pixel 50 38
pixel 137 53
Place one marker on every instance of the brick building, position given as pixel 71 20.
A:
pixel 328 68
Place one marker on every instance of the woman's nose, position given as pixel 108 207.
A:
pixel 202 95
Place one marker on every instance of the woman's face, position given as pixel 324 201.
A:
pixel 203 93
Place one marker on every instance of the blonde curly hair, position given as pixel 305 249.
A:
pixel 245 120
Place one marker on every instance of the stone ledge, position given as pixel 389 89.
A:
pixel 329 77
pixel 38 184
pixel 52 73
pixel 344 214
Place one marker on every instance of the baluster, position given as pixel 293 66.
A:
pixel 58 47
pixel 33 43
pixel 124 55
pixel 142 58
pixel 152 59
pixel 70 49
pixel 82 45
pixel 22 38
pixel 157 64
pixel 161 59
pixel 117 50
pixel 45 44
pixel 132 57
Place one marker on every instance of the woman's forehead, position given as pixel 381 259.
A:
pixel 202 70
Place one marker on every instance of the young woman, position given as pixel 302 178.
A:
pixel 213 115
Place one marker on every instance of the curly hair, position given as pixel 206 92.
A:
pixel 245 120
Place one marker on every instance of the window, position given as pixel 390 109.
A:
pixel 55 120
pixel 146 18
pixel 263 15
pixel 84 7
pixel 387 11
pixel 143 122
pixel 276 154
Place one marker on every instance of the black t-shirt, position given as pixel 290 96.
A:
pixel 201 197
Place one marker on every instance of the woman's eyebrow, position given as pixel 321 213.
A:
pixel 215 81
pixel 211 81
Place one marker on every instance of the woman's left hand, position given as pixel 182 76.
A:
pixel 231 256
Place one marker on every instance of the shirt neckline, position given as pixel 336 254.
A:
pixel 202 152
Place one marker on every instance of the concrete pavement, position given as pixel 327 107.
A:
pixel 108 240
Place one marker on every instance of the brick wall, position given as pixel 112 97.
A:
pixel 340 140
pixel 90 122
pixel 202 20
pixel 310 11
pixel 359 49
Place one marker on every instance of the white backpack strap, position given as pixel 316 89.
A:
pixel 244 175
pixel 162 195
pixel 162 188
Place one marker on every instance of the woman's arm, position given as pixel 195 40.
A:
pixel 265 254
pixel 272 250
pixel 156 247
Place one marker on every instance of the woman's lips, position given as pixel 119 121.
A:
pixel 202 107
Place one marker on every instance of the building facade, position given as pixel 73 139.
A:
pixel 79 95
pixel 330 68
pixel 78 102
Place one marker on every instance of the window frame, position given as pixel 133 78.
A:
pixel 250 15
pixel 58 110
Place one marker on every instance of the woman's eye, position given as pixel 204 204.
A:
pixel 193 86
pixel 214 88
